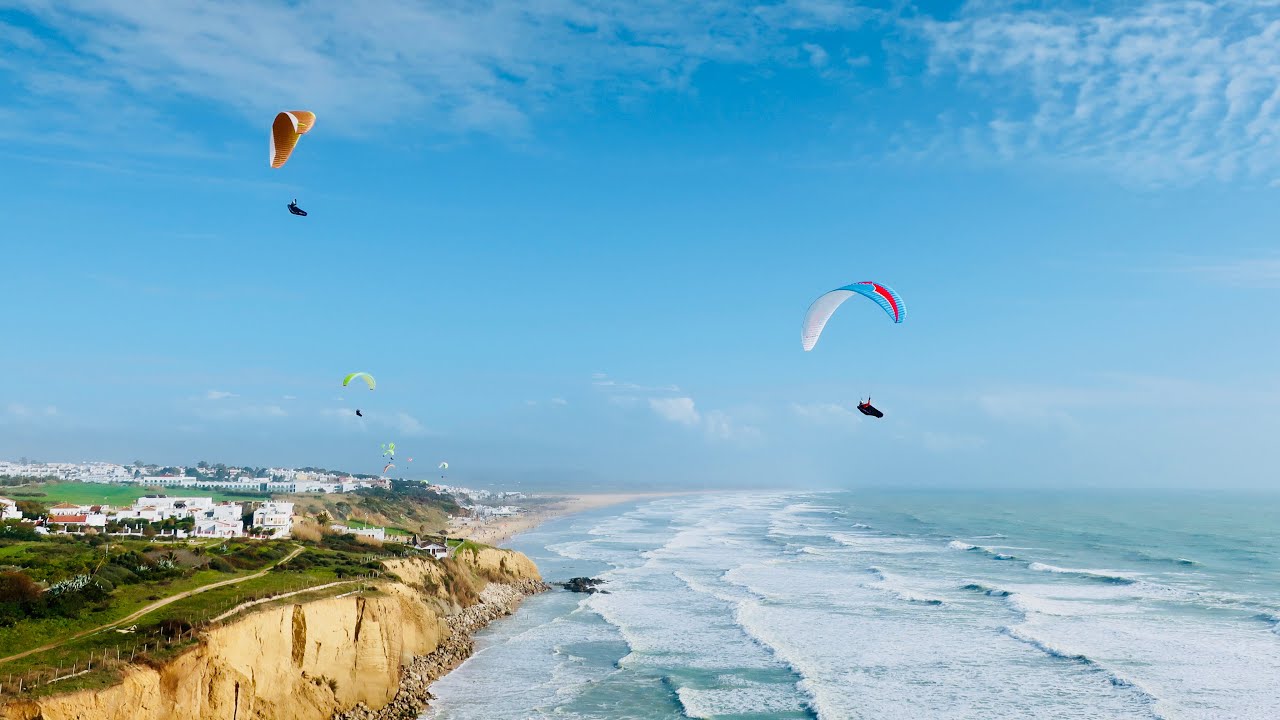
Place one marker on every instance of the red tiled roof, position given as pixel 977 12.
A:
pixel 73 519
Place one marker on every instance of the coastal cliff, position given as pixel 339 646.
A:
pixel 314 660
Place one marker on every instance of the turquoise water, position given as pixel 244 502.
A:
pixel 894 605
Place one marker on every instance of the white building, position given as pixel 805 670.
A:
pixel 277 516
pixel 218 528
pixel 224 511
pixel 376 533
pixel 9 509
pixel 79 523
pixel 438 552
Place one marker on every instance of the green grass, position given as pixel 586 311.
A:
pixel 116 495
pixel 219 600
pixel 209 604
pixel 316 566
pixel 471 546
pixel 125 600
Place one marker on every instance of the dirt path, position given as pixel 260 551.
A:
pixel 273 598
pixel 154 606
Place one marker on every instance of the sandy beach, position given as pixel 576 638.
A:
pixel 497 531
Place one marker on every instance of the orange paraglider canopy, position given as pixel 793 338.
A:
pixel 285 131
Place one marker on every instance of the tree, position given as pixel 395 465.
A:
pixel 148 531
pixel 202 464
pixel 16 587
pixel 30 509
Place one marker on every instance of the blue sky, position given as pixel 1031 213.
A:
pixel 574 241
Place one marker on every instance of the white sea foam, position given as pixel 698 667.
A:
pixel 881 544
pixel 742 699
pixel 1103 575
pixel 745 604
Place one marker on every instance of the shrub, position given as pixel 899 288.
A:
pixel 15 530
pixel 173 627
pixel 16 587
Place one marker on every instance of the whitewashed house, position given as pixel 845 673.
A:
pixel 9 509
pixel 277 516
pixel 438 552
pixel 218 529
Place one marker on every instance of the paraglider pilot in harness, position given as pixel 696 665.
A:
pixel 293 208
pixel 867 409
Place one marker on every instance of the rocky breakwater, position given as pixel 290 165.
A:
pixel 496 600
pixel 584 585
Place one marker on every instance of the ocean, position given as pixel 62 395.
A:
pixel 894 605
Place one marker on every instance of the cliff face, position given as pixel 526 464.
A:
pixel 277 664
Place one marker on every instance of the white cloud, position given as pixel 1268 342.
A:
pixel 219 395
pixel 1256 272
pixel 828 414
pixel 18 410
pixel 818 57
pixel 559 401
pixel 27 414
pixel 240 412
pixel 1162 91
pixel 406 424
pixel 604 383
pixel 290 397
pixel 676 410
pixel 719 424
pixel 401 422
pixel 484 67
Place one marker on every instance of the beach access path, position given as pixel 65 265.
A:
pixel 153 607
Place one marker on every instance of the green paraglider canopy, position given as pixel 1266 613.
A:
pixel 368 379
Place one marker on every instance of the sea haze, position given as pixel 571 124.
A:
pixel 894 605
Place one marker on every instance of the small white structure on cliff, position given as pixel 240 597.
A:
pixel 376 533
pixel 438 552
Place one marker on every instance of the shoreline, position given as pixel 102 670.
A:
pixel 498 600
pixel 414 696
pixel 498 531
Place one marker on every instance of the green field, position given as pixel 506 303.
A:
pixel 115 495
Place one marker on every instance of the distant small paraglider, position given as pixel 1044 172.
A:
pixel 359 414
pixel 293 208
pixel 866 408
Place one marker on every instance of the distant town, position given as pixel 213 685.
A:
pixel 181 515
